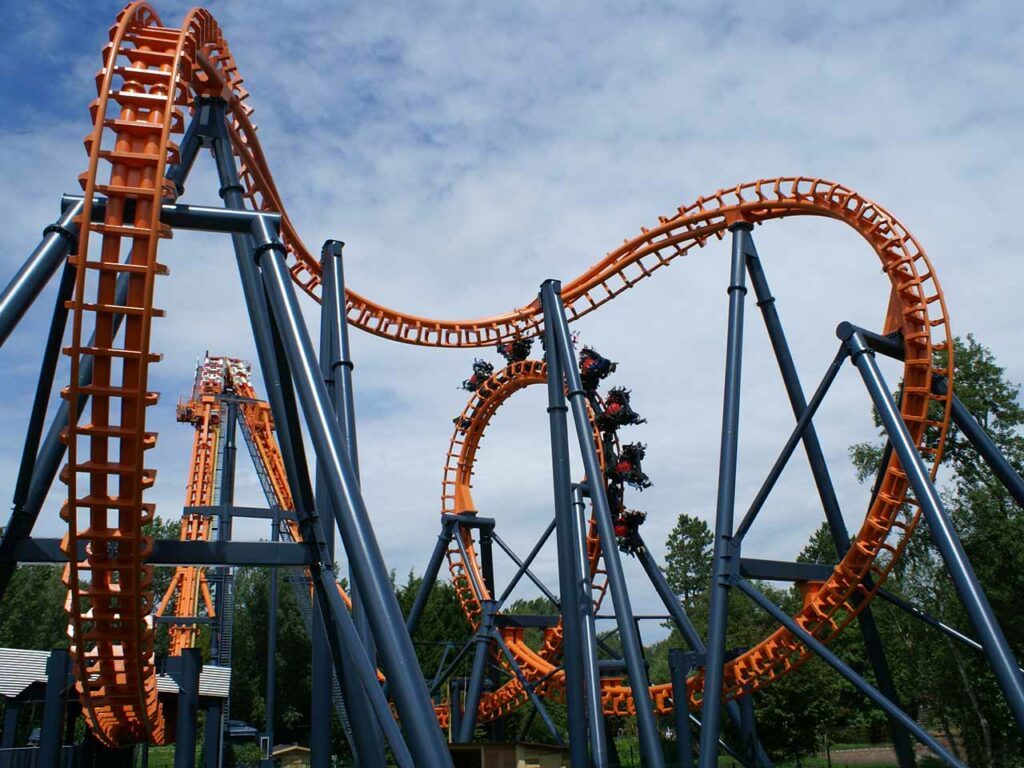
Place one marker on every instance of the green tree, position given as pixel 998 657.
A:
pixel 688 562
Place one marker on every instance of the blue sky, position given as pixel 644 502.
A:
pixel 467 151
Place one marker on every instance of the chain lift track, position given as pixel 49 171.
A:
pixel 152 75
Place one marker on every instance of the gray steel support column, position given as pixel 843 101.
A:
pixel 51 733
pixel 336 366
pixel 321 667
pixel 680 664
pixel 213 735
pixel 429 578
pixel 588 637
pixel 565 533
pixel 345 648
pixel 726 560
pixel 481 655
pixel 211 113
pixel 191 663
pixel 7 740
pixel 990 634
pixel 454 707
pixel 33 434
pixel 561 348
pixel 846 671
pixel 188 149
pixel 523 566
pixel 931 621
pixel 58 239
pixel 47 462
pixel 826 492
pixel 530 688
pixel 399 659
pixel 669 600
pixel 983 443
pixel 689 633
pixel 272 606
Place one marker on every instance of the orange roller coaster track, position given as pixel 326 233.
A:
pixel 151 77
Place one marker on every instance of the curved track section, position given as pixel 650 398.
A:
pixel 456 498
pixel 151 75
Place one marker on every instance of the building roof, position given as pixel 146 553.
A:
pixel 20 668
pixel 285 749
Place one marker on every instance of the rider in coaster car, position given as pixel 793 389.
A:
pixel 594 368
pixel 515 351
pixel 627 469
pixel 617 411
pixel 482 371
pixel 627 530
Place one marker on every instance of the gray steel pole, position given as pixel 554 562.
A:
pixel 213 734
pixel 983 443
pixel 338 370
pixel 523 566
pixel 335 363
pixel 565 535
pixel 538 703
pixel 429 578
pixel 190 663
pixel 345 648
pixel 47 463
pixel 846 671
pixel 990 634
pixel 933 622
pixel 51 732
pixel 212 113
pixel 632 648
pixel 669 600
pixel 399 659
pixel 321 668
pixel 481 655
pixel 58 239
pixel 7 741
pixel 588 637
pixel 680 664
pixel 726 560
pixel 826 492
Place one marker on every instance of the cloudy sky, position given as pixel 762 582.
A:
pixel 467 151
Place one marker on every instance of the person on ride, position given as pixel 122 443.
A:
pixel 594 368
pixel 515 351
pixel 482 371
pixel 617 411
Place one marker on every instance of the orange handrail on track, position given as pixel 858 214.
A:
pixel 153 74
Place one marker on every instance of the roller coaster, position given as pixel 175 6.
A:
pixel 164 95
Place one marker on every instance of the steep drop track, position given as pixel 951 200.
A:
pixel 150 78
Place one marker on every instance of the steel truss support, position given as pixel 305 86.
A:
pixel 566 533
pixel 336 369
pixel 845 670
pixel 725 558
pixel 282 343
pixel 560 352
pixel 59 239
pixel 185 670
pixel 983 443
pixel 990 634
pixel 51 734
pixel 698 652
pixel 397 655
pixel 588 634
pixel 826 491
pixel 42 467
